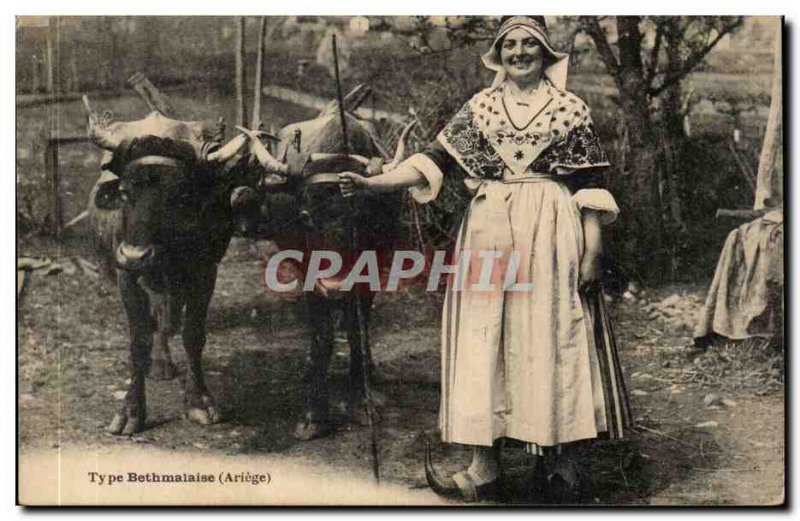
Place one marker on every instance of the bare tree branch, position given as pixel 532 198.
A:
pixel 629 43
pixel 571 42
pixel 591 25
pixel 694 59
pixel 653 64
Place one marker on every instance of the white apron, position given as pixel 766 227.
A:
pixel 520 364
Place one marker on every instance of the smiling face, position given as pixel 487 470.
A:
pixel 522 56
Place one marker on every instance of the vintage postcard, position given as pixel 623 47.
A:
pixel 400 260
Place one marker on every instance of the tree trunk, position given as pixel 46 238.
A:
pixel 672 143
pixel 643 228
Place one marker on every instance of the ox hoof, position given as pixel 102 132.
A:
pixel 207 415
pixel 162 370
pixel 126 424
pixel 309 429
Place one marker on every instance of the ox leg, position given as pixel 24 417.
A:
pixel 131 418
pixel 199 405
pixel 315 422
pixel 357 405
pixel 162 367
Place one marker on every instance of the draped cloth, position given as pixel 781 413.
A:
pixel 746 296
pixel 538 364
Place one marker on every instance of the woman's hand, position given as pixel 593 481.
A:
pixel 591 271
pixel 592 262
pixel 350 183
pixel 397 179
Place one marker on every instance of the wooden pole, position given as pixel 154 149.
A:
pixel 343 118
pixel 356 298
pixel 255 121
pixel 35 76
pixel 240 70
pixel 51 35
pixel 154 98
pixel 73 69
pixel 769 183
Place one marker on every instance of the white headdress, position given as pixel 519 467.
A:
pixel 556 71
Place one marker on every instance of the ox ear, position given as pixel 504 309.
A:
pixel 107 195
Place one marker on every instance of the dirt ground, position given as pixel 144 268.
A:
pixel 72 353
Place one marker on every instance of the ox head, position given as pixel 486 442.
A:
pixel 157 173
pixel 310 155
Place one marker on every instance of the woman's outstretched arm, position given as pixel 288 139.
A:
pixel 396 179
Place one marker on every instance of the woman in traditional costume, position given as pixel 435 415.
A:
pixel 536 365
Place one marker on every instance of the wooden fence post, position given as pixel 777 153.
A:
pixel 51 144
pixel 53 183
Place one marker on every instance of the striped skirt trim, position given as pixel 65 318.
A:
pixel 619 419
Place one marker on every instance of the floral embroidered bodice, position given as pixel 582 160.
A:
pixel 485 141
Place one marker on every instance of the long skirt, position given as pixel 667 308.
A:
pixel 537 365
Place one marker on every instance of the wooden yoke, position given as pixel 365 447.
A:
pixel 153 97
pixel 157 101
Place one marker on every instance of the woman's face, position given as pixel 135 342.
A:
pixel 522 56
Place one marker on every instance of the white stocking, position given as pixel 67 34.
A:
pixel 485 465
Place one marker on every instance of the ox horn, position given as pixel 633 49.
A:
pixel 232 147
pixel 229 149
pixel 400 152
pixel 264 157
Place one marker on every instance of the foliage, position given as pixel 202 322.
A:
pixel 654 127
pixel 691 38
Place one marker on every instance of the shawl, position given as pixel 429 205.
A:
pixel 561 137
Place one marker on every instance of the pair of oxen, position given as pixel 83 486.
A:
pixel 168 201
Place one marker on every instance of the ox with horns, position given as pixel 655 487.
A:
pixel 309 157
pixel 161 214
